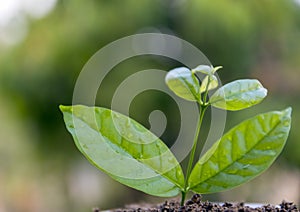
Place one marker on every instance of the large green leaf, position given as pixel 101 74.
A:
pixel 241 154
pixel 124 149
pixel 183 83
pixel 238 95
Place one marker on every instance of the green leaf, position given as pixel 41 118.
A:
pixel 211 81
pixel 241 154
pixel 124 149
pixel 205 69
pixel 183 83
pixel 217 68
pixel 239 94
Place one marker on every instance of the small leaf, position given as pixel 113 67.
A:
pixel 241 154
pixel 239 94
pixel 213 83
pixel 124 149
pixel 217 68
pixel 205 69
pixel 183 83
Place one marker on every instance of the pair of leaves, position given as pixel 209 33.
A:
pixel 237 95
pixel 132 155
pixel 184 83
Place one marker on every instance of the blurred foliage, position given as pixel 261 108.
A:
pixel 257 38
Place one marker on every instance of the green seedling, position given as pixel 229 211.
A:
pixel 132 155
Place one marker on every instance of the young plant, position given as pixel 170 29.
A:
pixel 132 155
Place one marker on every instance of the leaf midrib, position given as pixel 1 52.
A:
pixel 190 88
pixel 238 158
pixel 174 182
pixel 229 96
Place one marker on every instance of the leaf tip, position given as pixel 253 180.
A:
pixel 217 68
pixel 287 112
pixel 64 108
pixel 265 91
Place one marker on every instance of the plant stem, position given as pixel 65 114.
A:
pixel 183 195
pixel 202 109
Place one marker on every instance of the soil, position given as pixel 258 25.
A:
pixel 196 204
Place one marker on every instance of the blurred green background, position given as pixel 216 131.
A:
pixel 44 45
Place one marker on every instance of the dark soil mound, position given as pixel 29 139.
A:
pixel 195 204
